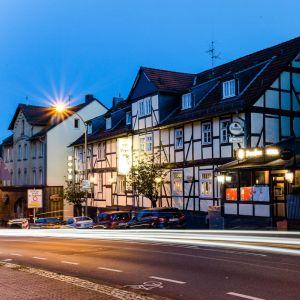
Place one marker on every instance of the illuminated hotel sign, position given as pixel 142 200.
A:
pixel 256 152
pixel 124 155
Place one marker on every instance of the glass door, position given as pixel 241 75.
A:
pixel 278 194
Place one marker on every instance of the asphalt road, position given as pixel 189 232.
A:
pixel 166 270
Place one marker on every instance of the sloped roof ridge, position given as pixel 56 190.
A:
pixel 165 70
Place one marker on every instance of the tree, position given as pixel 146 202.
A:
pixel 146 178
pixel 74 195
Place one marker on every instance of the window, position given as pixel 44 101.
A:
pixel 229 89
pixel 179 138
pixel 19 152
pixel 177 182
pixel 34 177
pixel 128 118
pixel 19 176
pixel 142 143
pixel 34 150
pixel 108 123
pixel 23 127
pixel 141 108
pixel 41 150
pixel 90 128
pixel 148 106
pixel 205 179
pixel 76 123
pixel 41 176
pixel 25 154
pixel 186 101
pixel 7 158
pixel 224 135
pixel 145 107
pixel 101 151
pixel 100 183
pixel 206 133
pixel 149 143
pixel 121 184
pixel 25 177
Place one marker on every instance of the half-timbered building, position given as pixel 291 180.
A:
pixel 194 123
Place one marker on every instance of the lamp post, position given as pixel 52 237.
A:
pixel 61 108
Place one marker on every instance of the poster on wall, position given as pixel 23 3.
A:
pixel 124 155
pixel 231 194
pixel 35 198
pixel 246 193
pixel 261 193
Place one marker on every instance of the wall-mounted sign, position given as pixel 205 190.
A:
pixel 231 194
pixel 261 193
pixel 235 128
pixel 85 184
pixel 236 139
pixel 35 198
pixel 246 193
pixel 124 155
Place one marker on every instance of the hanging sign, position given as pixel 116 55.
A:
pixel 35 198
pixel 124 155
pixel 236 128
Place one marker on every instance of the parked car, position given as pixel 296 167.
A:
pixel 18 223
pixel 80 222
pixel 113 219
pixel 158 218
pixel 50 222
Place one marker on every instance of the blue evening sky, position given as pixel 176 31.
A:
pixel 55 48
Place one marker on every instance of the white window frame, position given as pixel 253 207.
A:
pixel 142 143
pixel 178 138
pixel 186 101
pixel 141 108
pixel 229 88
pixel 207 181
pixel 148 143
pixel 148 106
pixel 108 123
pixel 176 191
pixel 224 131
pixel 145 107
pixel 206 133
pixel 128 118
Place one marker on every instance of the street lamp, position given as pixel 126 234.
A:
pixel 61 108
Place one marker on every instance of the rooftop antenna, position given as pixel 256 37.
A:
pixel 213 55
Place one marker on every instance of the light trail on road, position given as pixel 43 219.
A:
pixel 263 241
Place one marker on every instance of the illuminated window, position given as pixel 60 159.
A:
pixel 177 182
pixel 179 138
pixel 206 133
pixel 206 183
pixel 121 184
pixel 101 151
pixel 229 89
pixel 224 135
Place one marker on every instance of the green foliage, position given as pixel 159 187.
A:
pixel 146 178
pixel 73 194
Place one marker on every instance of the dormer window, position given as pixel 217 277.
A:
pixel 186 101
pixel 229 89
pixel 108 123
pixel 128 118
pixel 89 128
pixel 145 107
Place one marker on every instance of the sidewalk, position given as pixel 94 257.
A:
pixel 19 285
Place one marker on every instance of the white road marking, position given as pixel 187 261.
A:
pixel 243 296
pixel 108 269
pixel 8 259
pixel 40 258
pixel 69 262
pixel 16 254
pixel 167 279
